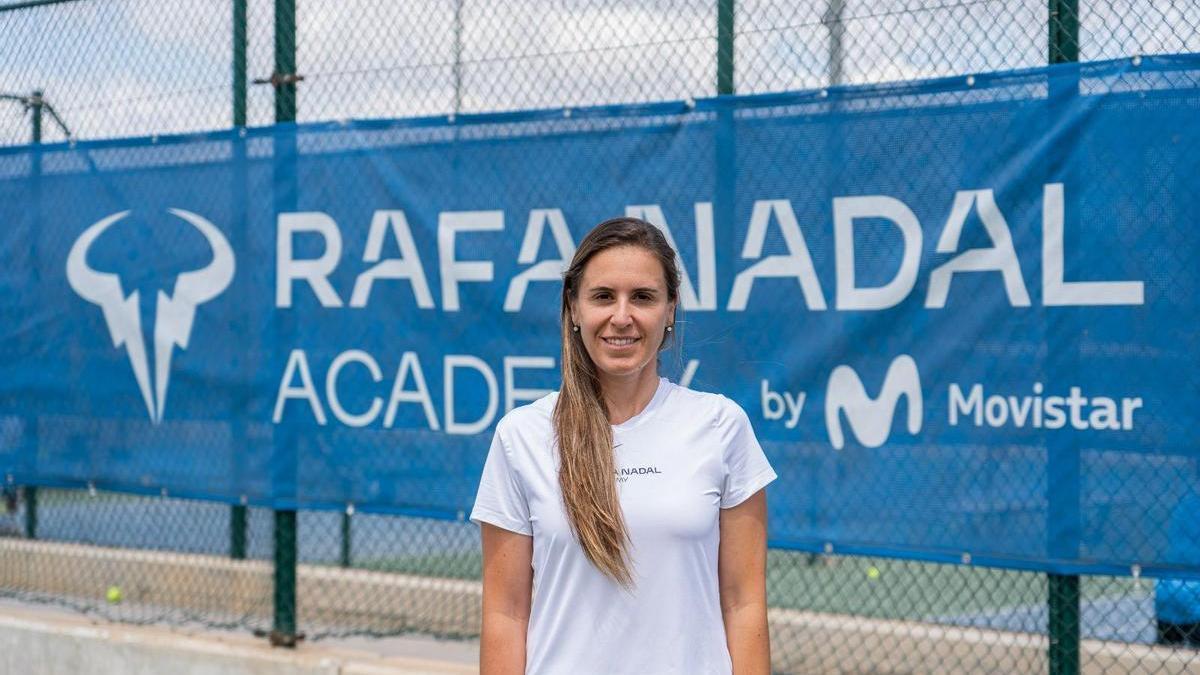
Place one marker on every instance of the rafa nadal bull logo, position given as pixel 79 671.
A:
pixel 175 312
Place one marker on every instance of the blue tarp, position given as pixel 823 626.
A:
pixel 961 313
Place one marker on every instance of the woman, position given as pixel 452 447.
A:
pixel 630 509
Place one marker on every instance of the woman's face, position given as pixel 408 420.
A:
pixel 622 311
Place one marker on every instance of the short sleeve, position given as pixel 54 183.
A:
pixel 746 467
pixel 500 500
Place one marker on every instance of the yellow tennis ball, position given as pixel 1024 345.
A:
pixel 872 572
pixel 114 594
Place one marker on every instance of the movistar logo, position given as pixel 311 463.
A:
pixel 175 312
pixel 871 418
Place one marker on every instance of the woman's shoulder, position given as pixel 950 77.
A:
pixel 717 408
pixel 535 416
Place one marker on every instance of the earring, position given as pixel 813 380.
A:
pixel 670 328
pixel 575 328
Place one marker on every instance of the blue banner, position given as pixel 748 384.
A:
pixel 961 313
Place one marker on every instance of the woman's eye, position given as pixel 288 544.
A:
pixel 636 297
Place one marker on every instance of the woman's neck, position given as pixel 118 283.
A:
pixel 626 397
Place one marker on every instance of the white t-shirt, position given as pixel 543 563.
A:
pixel 683 458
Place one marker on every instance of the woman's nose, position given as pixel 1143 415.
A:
pixel 621 315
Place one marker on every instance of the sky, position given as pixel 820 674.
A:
pixel 137 67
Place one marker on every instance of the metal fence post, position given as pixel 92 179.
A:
pixel 725 55
pixel 1064 624
pixel 725 146
pixel 837 33
pixel 237 513
pixel 285 61
pixel 30 512
pixel 346 544
pixel 283 633
pixel 1063 462
pixel 284 80
pixel 1064 31
pixel 239 63
pixel 458 49
pixel 237 532
pixel 37 105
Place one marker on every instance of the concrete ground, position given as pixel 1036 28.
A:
pixel 457 652
pixel 46 639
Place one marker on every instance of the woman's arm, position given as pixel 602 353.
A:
pixel 507 594
pixel 742 573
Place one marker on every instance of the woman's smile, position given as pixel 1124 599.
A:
pixel 620 344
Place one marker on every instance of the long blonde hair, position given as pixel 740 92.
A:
pixel 587 466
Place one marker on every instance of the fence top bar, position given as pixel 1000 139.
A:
pixel 29 4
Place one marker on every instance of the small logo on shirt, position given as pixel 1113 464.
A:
pixel 625 473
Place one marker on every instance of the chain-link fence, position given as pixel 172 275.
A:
pixel 131 68
pixel 146 559
pixel 86 69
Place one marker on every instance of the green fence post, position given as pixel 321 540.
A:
pixel 30 512
pixel 1063 464
pixel 345 556
pixel 725 47
pixel 284 79
pixel 237 532
pixel 1064 31
pixel 725 145
pixel 237 513
pixel 1064 623
pixel 37 106
pixel 239 63
pixel 284 632
pixel 285 61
